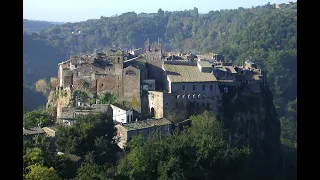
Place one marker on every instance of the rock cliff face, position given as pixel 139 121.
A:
pixel 57 99
pixel 251 119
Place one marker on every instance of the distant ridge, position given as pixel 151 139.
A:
pixel 37 25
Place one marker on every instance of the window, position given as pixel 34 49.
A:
pixel 211 87
pixel 101 85
pixel 183 87
pixel 203 87
pixel 194 87
pixel 118 60
pixel 130 72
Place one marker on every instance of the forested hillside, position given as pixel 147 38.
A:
pixel 264 34
pixel 39 61
pixel 36 26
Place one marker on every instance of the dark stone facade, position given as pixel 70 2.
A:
pixel 154 64
pixel 103 74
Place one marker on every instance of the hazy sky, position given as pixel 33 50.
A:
pixel 81 10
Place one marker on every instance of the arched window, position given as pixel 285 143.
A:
pixel 118 59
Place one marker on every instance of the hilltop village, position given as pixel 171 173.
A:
pixel 152 89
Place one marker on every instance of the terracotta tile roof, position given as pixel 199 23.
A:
pixel 187 73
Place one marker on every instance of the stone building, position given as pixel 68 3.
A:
pixel 154 63
pixel 224 72
pixel 121 113
pixel 148 85
pixel 125 132
pixel 68 114
pixel 100 73
pixel 250 76
pixel 189 86
pixel 31 132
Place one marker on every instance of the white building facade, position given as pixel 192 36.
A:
pixel 121 115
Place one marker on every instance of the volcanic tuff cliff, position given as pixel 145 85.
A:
pixel 251 119
pixel 57 99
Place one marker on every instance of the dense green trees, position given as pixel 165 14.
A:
pixel 91 137
pixel 90 134
pixel 39 161
pixel 36 117
pixel 35 26
pixel 38 172
pixel 107 98
pixel 200 152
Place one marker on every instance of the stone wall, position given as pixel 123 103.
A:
pixel 155 99
pixel 110 84
pixel 131 83
pixel 63 100
pixel 209 89
pixel 50 132
pixel 155 71
pixel 154 64
pixel 166 105
pixel 122 135
pixel 125 136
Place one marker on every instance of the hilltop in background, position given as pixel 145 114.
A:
pixel 36 26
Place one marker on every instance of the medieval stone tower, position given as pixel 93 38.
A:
pixel 154 63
